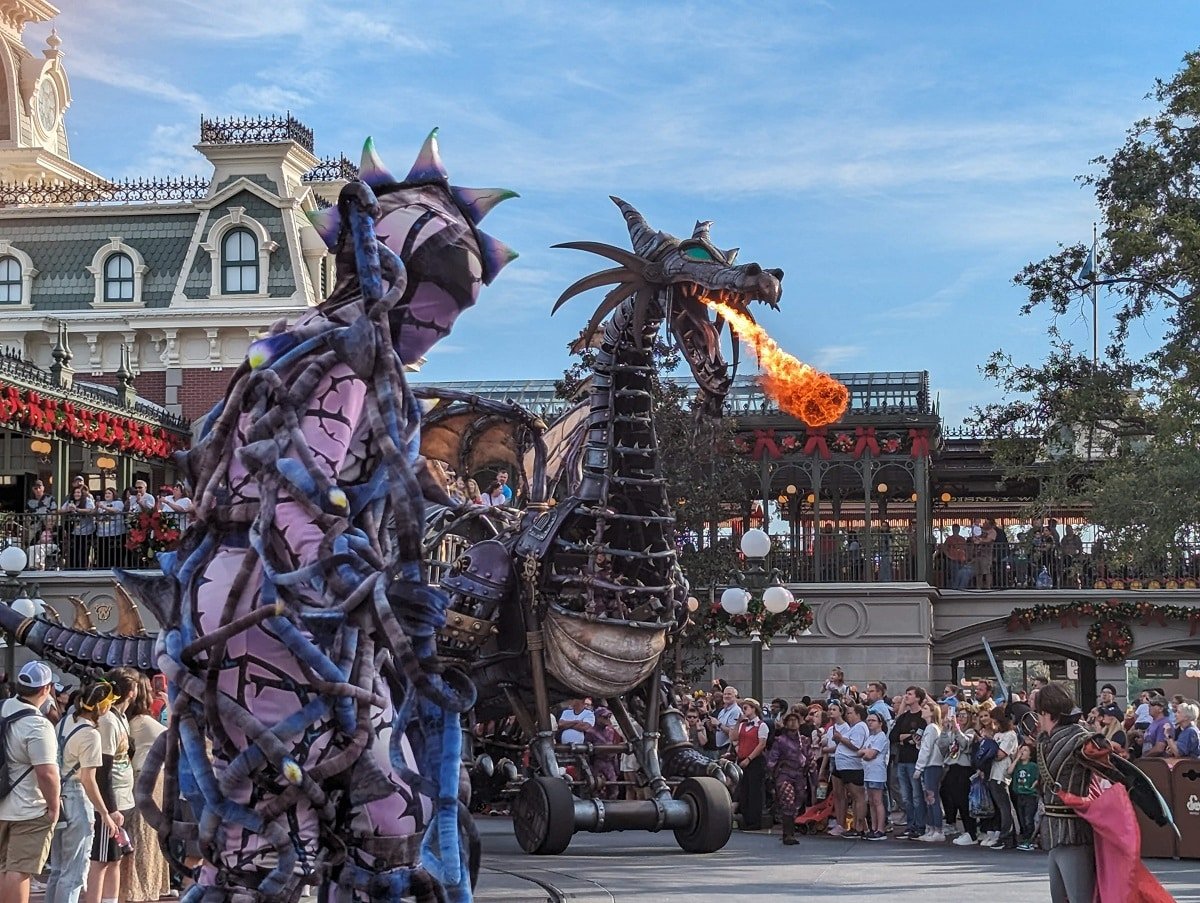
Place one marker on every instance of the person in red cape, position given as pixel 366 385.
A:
pixel 1089 828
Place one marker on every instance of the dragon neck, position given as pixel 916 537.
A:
pixel 632 525
pixel 621 440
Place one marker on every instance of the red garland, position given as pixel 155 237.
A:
pixel 122 434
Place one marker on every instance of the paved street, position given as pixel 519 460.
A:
pixel 639 866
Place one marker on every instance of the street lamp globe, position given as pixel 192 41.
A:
pixel 23 606
pixel 13 560
pixel 776 599
pixel 735 600
pixel 755 543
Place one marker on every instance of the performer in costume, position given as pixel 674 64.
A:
pixel 314 734
pixel 1083 784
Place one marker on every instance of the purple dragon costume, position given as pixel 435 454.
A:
pixel 314 736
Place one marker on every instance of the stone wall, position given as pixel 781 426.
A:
pixel 877 631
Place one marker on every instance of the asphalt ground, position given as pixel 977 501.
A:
pixel 641 866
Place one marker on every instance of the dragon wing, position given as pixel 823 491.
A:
pixel 564 451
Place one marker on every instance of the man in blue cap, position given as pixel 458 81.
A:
pixel 29 812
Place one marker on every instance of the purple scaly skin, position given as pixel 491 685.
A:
pixel 312 733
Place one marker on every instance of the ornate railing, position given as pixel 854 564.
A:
pixel 332 169
pixel 15 368
pixel 256 130
pixel 118 191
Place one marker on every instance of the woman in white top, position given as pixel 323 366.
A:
pixel 875 773
pixel 998 780
pixel 929 772
pixel 82 803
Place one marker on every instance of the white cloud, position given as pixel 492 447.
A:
pixel 831 357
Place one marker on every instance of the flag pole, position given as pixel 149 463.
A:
pixel 1095 305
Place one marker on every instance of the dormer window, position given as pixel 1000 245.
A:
pixel 239 263
pixel 11 283
pixel 119 271
pixel 118 278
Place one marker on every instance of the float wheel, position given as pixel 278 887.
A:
pixel 712 821
pixel 544 816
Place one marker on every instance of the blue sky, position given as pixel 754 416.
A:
pixel 901 162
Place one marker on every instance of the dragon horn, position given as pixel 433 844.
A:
pixel 644 238
pixel 496 256
pixel 702 227
pixel 371 170
pixel 83 617
pixel 428 166
pixel 159 593
pixel 478 202
pixel 129 619
pixel 328 223
pixel 731 255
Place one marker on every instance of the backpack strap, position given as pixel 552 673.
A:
pixel 62 747
pixel 5 724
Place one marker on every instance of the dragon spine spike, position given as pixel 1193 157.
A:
pixel 371 170
pixel 428 166
pixel 731 255
pixel 479 202
pixel 328 223
pixel 496 256
pixel 702 227
pixel 644 238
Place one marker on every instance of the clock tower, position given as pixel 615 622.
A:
pixel 34 95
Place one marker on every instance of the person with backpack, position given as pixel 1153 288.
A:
pixel 29 788
pixel 82 804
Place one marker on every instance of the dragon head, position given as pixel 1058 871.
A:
pixel 432 226
pixel 672 278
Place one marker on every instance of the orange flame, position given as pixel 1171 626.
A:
pixel 806 393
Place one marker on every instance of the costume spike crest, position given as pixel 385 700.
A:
pixel 428 166
pixel 702 227
pixel 496 256
pixel 731 255
pixel 479 202
pixel 371 170
pixel 328 223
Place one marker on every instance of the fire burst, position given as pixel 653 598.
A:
pixel 806 393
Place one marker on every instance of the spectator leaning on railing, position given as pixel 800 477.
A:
pixel 43 507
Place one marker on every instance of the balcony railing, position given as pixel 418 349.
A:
pixel 68 541
pixel 256 130
pixel 893 556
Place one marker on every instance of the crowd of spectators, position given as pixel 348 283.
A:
pixel 1045 555
pixel 69 826
pixel 956 766
pixel 102 529
pixel 913 766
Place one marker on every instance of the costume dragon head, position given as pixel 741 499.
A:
pixel 670 279
pixel 431 226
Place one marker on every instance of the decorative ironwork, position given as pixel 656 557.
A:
pixel 14 368
pixel 256 130
pixel 118 191
pixel 332 169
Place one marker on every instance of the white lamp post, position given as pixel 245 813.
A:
pixel 13 560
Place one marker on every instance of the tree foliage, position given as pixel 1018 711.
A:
pixel 1121 434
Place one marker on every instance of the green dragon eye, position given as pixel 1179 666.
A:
pixel 698 253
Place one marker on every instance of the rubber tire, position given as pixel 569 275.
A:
pixel 713 821
pixel 544 816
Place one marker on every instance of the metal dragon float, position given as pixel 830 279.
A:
pixel 315 733
pixel 582 597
